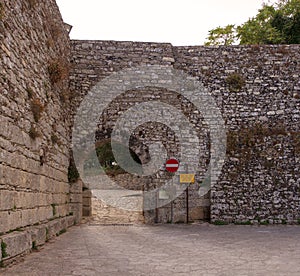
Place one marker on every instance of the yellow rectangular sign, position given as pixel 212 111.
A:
pixel 187 178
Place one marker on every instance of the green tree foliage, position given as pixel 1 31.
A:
pixel 274 24
pixel 107 159
pixel 222 36
pixel 259 29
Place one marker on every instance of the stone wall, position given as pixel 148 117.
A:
pixel 257 90
pixel 260 179
pixel 35 132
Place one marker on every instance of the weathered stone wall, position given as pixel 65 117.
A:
pixel 103 213
pixel 260 180
pixel 257 90
pixel 35 132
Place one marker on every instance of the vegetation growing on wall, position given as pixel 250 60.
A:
pixel 30 92
pixel 37 108
pixel 58 71
pixel 244 141
pixel 54 139
pixel 2 11
pixel 235 82
pixel 3 249
pixel 32 3
pixel 33 133
pixel 296 142
pixel 73 174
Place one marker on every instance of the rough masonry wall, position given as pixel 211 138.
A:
pixel 34 137
pixel 257 90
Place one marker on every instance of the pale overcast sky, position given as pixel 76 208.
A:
pixel 179 22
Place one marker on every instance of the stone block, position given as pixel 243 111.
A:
pixel 62 210
pixel 76 198
pixel 76 209
pixel 38 234
pixel 87 193
pixel 29 217
pixel 58 198
pixel 26 200
pixel 70 221
pixel 45 213
pixel 17 243
pixel 76 187
pixel 53 228
pixel 10 220
pixel 86 211
pixel 4 226
pixel 87 201
pixel 64 223
pixel 7 200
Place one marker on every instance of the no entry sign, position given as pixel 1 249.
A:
pixel 172 165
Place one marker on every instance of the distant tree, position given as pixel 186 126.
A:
pixel 259 30
pixel 222 36
pixel 274 24
pixel 287 20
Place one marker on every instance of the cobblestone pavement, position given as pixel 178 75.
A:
pixel 167 250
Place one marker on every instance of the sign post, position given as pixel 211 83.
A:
pixel 172 165
pixel 186 168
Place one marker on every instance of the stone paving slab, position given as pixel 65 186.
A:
pixel 167 250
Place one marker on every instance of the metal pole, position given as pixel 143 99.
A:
pixel 172 213
pixel 156 208
pixel 187 196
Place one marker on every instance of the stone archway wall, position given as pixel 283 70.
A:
pixel 257 90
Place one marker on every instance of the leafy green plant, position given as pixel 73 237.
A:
pixel 47 234
pixel 277 23
pixel 107 160
pixel 235 82
pixel 53 209
pixel 220 222
pixel 243 222
pixel 34 246
pixel 3 249
pixel 264 222
pixel 221 36
pixel 62 231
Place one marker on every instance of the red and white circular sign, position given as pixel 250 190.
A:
pixel 172 165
